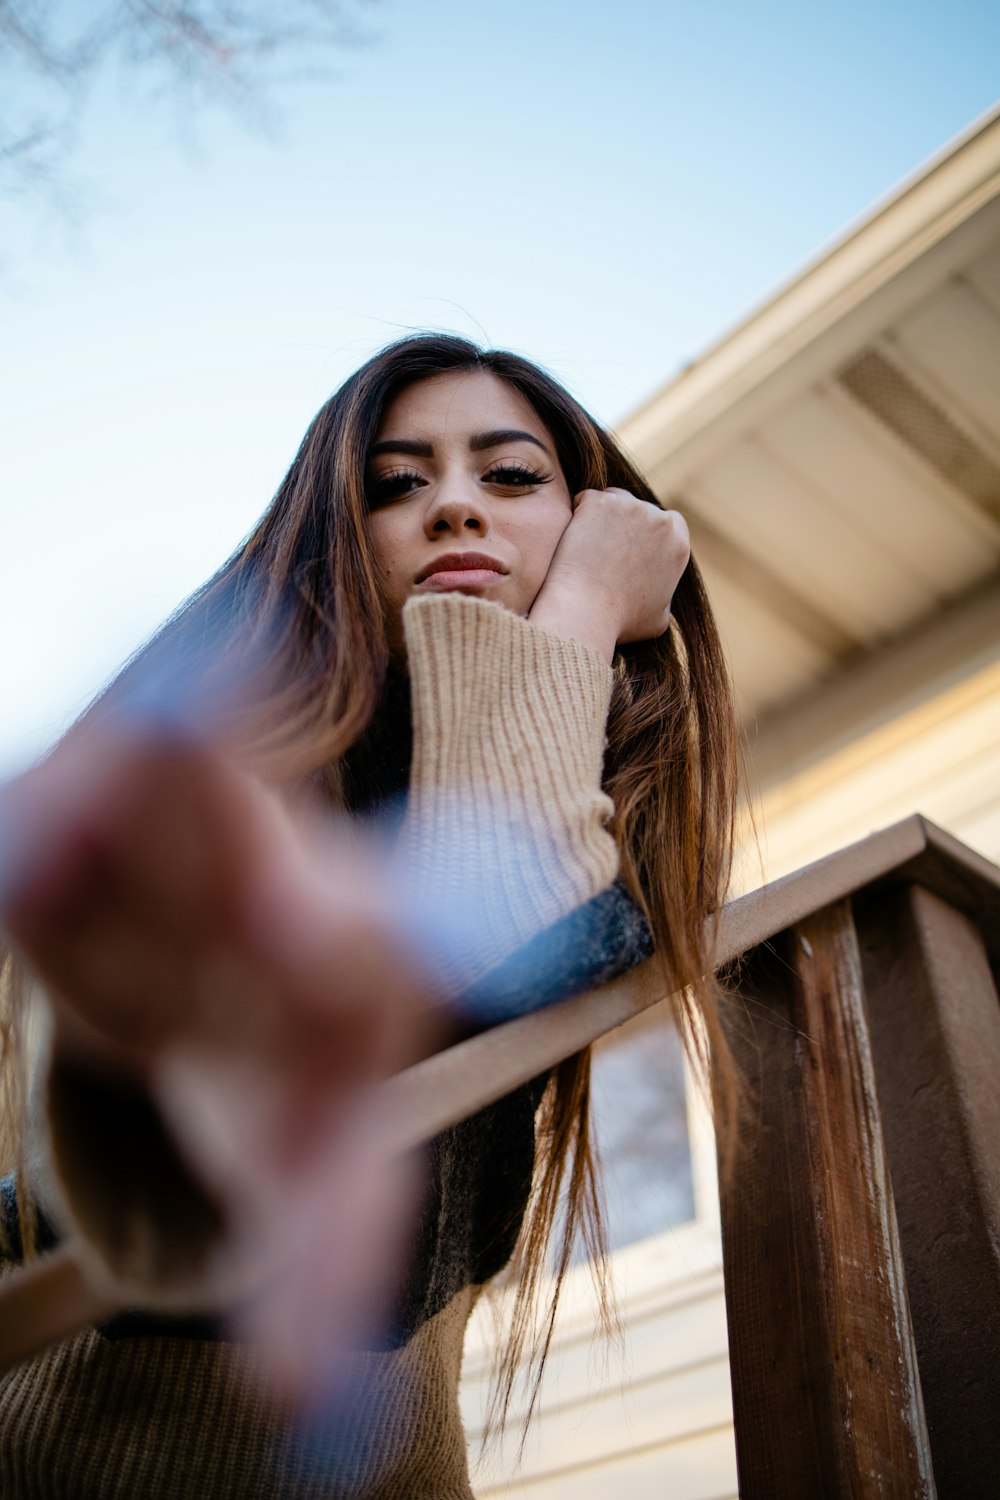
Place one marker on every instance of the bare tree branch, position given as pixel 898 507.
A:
pixel 55 53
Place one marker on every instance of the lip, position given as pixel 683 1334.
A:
pixel 465 567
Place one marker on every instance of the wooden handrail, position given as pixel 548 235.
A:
pixel 52 1297
pixel 456 1083
pixel 861 1229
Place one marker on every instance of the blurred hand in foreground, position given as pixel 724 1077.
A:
pixel 195 938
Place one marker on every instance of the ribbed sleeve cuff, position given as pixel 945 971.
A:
pixel 505 826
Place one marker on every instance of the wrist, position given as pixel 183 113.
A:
pixel 591 620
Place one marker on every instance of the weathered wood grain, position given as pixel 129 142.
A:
pixel 826 1393
pixel 935 1027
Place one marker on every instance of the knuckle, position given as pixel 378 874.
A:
pixel 679 534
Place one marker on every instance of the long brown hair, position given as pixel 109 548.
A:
pixel 302 596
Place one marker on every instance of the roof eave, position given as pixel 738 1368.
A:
pixel 822 315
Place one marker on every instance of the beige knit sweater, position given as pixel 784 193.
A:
pixel 505 825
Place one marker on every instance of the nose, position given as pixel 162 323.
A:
pixel 456 509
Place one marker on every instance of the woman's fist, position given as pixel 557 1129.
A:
pixel 614 572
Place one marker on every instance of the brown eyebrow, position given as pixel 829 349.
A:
pixel 477 442
pixel 499 435
pixel 402 445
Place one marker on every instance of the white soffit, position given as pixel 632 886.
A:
pixel 838 454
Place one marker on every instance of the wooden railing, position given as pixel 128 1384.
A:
pixel 861 1219
pixel 861 1231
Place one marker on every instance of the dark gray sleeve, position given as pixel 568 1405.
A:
pixel 590 946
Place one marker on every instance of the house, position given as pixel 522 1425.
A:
pixel 837 457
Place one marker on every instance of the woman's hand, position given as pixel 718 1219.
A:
pixel 195 941
pixel 170 901
pixel 614 572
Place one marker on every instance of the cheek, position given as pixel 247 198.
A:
pixel 547 539
pixel 386 542
pixel 537 546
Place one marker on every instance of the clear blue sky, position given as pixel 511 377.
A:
pixel 606 187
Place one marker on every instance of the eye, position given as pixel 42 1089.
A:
pixel 385 488
pixel 515 476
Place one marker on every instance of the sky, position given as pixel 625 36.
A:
pixel 607 188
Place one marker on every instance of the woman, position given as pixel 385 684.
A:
pixel 460 595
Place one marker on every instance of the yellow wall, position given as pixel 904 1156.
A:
pixel 941 759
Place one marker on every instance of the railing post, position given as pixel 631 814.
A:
pixel 826 1394
pixel 935 1026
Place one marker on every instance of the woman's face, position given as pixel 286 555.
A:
pixel 465 493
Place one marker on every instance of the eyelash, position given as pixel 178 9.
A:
pixel 393 486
